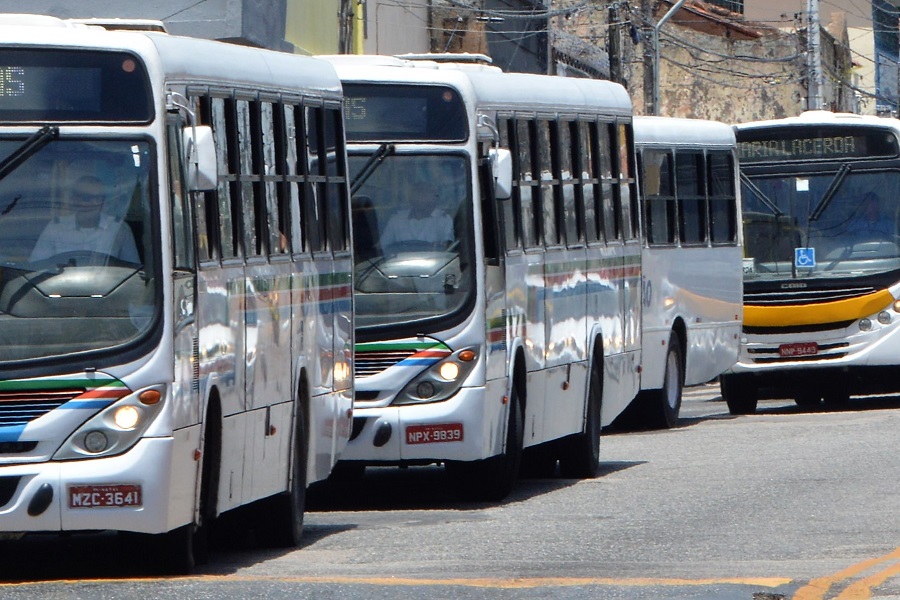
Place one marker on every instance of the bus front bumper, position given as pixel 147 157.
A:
pixel 128 492
pixel 465 427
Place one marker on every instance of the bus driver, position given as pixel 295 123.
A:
pixel 86 228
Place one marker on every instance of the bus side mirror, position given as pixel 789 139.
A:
pixel 200 154
pixel 501 168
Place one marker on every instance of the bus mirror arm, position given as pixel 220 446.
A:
pixel 200 154
pixel 501 168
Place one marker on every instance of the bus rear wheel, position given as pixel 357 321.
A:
pixel 740 393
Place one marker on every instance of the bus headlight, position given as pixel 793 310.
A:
pixel 441 380
pixel 116 428
pixel 865 324
pixel 884 317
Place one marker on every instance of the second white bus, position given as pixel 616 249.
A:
pixel 518 338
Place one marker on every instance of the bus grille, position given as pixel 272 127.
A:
pixel 366 364
pixel 794 297
pixel 20 407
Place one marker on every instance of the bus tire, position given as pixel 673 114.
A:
pixel 739 392
pixel 580 455
pixel 492 479
pixel 660 408
pixel 280 518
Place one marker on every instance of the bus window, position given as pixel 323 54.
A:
pixel 571 200
pixel 722 202
pixel 690 182
pixel 548 182
pixel 511 209
pixel 221 109
pixel 524 182
pixel 660 206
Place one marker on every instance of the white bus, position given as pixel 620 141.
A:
pixel 822 262
pixel 691 264
pixel 498 265
pixel 175 313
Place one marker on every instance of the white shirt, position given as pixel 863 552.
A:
pixel 110 237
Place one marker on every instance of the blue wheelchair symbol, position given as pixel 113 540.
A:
pixel 805 257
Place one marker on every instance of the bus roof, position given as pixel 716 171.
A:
pixel 670 131
pixel 823 117
pixel 490 86
pixel 177 58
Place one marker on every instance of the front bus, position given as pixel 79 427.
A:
pixel 822 260
pixel 171 349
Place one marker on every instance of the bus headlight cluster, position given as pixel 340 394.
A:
pixel 116 428
pixel 883 318
pixel 439 381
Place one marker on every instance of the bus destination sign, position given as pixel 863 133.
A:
pixel 814 143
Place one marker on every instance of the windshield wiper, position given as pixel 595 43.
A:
pixel 762 196
pixel 29 147
pixel 830 192
pixel 371 165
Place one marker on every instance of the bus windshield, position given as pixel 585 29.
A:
pixel 412 228
pixel 829 223
pixel 77 272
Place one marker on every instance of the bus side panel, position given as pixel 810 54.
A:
pixel 610 304
pixel 221 348
pixel 268 381
pixel 702 288
pixel 565 380
pixel 532 276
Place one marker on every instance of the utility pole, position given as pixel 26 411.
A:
pixel 815 83
pixel 649 47
pixel 614 44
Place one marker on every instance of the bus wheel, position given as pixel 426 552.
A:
pixel 492 479
pixel 580 456
pixel 661 407
pixel 280 518
pixel 739 392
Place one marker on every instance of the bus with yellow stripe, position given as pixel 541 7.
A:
pixel 176 325
pixel 497 280
pixel 821 260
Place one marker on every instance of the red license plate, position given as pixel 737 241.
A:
pixel 432 434
pixel 798 349
pixel 104 496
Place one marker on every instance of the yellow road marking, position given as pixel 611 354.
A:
pixel 490 583
pixel 860 590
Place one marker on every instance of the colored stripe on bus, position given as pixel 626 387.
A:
pixel 819 313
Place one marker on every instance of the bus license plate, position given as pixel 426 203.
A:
pixel 432 434
pixel 104 496
pixel 798 349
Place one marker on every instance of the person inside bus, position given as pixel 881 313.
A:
pixel 423 224
pixel 86 227
pixel 868 221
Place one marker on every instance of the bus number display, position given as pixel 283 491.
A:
pixel 11 83
pixel 814 144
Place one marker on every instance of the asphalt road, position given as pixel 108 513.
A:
pixel 782 504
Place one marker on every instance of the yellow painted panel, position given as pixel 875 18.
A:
pixel 812 314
